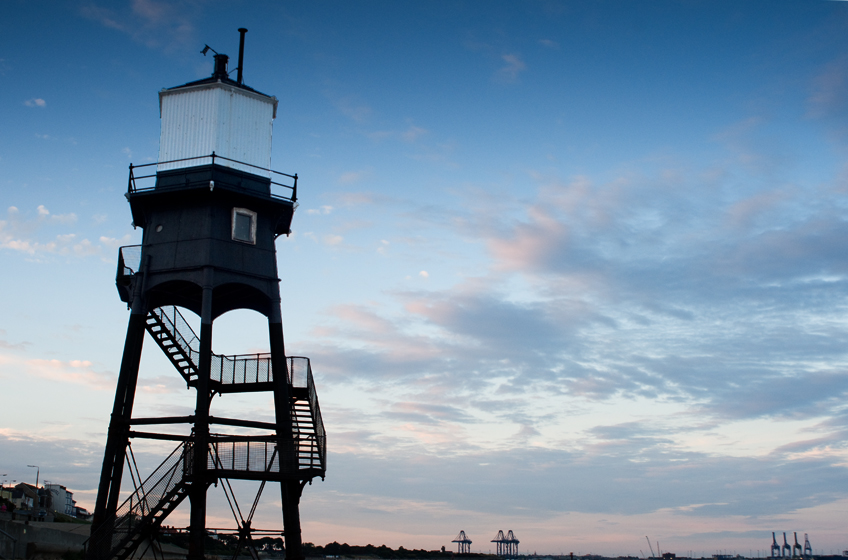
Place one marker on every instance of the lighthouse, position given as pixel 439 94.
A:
pixel 210 210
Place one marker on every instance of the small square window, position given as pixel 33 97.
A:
pixel 244 225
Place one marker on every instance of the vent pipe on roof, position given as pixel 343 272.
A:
pixel 220 66
pixel 241 31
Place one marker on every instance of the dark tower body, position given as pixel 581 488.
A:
pixel 210 213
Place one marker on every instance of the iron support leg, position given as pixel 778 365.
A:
pixel 289 490
pixel 112 470
pixel 199 482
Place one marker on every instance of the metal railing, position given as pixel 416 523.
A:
pixel 145 501
pixel 300 375
pixel 311 448
pixel 133 186
pixel 129 260
pixel 181 332
pixel 311 441
pixel 240 454
pixel 235 368
pixel 241 368
pixel 243 456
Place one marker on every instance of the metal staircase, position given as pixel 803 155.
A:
pixel 253 457
pixel 306 417
pixel 141 514
pixel 184 353
pixel 247 373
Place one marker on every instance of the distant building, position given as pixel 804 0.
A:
pixel 62 500
pixel 24 496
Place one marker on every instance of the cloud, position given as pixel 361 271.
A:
pixel 549 43
pixel 544 482
pixel 514 66
pixel 79 372
pixel 64 219
pixel 35 102
pixel 72 462
pixel 381 134
pixel 351 177
pixel 323 210
pixel 421 413
pixel 155 24
pixel 410 135
pixel 11 345
pixel 112 243
pixel 829 95
pixel 413 133
pixel 357 112
pixel 358 198
pixel 162 384
pixel 652 290
pixel 35 235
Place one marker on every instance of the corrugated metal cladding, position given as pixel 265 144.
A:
pixel 230 121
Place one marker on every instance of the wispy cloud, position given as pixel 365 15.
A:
pixel 351 177
pixel 323 210
pixel 410 135
pixel 600 294
pixel 413 133
pixel 829 95
pixel 351 108
pixel 35 102
pixel 36 234
pixel 78 372
pixel 156 24
pixel 514 66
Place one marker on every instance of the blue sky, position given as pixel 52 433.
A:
pixel 574 269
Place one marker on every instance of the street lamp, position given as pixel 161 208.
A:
pixel 37 472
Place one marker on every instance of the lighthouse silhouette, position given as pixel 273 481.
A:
pixel 211 210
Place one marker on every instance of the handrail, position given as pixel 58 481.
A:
pixel 311 444
pixel 129 260
pixel 136 509
pixel 317 420
pixel 178 328
pixel 132 187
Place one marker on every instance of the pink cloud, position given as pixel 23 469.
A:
pixel 79 372
pixel 531 243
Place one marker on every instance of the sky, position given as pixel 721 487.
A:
pixel 575 269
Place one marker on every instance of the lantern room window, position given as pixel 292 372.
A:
pixel 244 225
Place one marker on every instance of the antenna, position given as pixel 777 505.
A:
pixel 241 31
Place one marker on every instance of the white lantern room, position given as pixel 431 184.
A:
pixel 233 121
